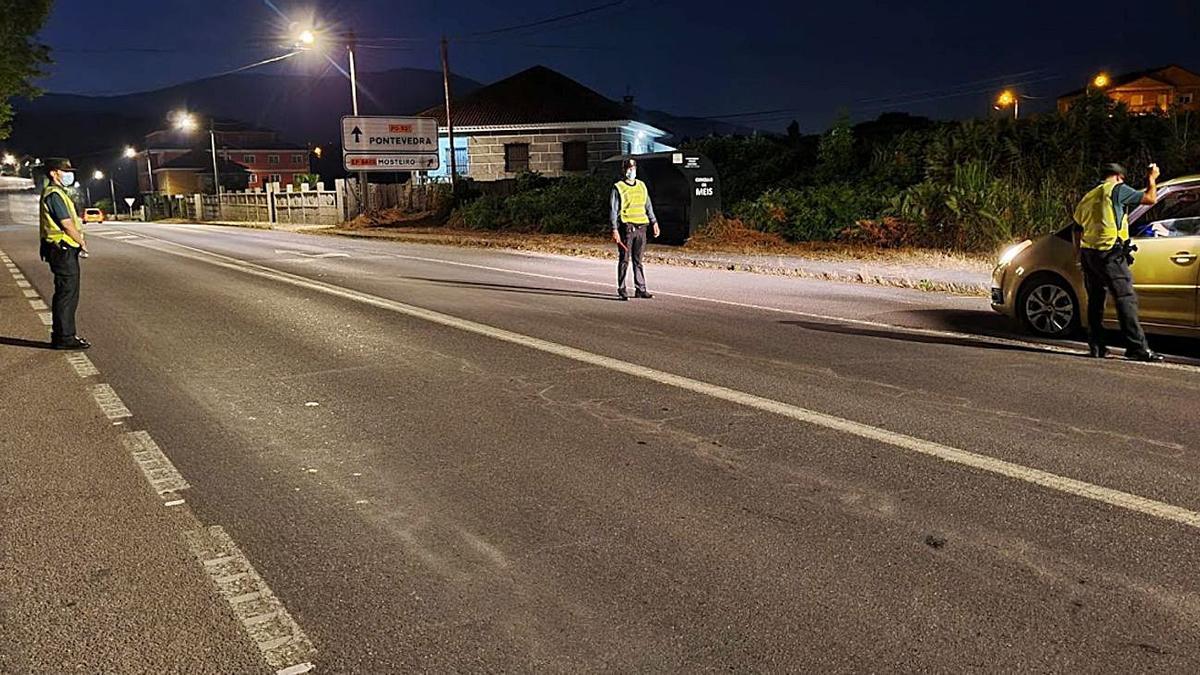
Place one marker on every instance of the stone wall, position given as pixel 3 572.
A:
pixel 486 153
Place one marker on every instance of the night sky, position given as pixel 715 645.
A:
pixel 697 57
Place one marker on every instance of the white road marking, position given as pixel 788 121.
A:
pixel 38 305
pixel 22 284
pixel 305 254
pixel 262 615
pixel 125 237
pixel 933 332
pixel 985 463
pixel 158 470
pixel 82 364
pixel 47 318
pixel 111 404
pixel 29 293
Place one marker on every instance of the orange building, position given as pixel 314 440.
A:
pixel 1149 91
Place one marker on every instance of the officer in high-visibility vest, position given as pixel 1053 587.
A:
pixel 631 211
pixel 1102 236
pixel 62 242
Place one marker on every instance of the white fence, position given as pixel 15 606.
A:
pixel 293 205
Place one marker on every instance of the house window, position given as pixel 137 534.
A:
pixel 628 148
pixel 249 159
pixel 516 157
pixel 1185 99
pixel 254 179
pixel 274 178
pixel 272 159
pixel 297 159
pixel 575 156
pixel 1135 100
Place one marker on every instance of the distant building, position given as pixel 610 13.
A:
pixel 258 153
pixel 539 120
pixel 1147 91
pixel 192 173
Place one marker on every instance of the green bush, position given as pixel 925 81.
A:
pixel 484 213
pixel 816 213
pixel 571 205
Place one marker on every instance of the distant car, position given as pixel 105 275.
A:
pixel 93 216
pixel 1040 284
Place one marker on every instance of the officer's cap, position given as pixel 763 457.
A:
pixel 57 164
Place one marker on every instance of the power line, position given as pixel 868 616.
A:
pixel 544 22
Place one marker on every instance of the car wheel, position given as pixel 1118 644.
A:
pixel 1047 306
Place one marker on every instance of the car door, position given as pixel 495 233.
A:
pixel 1166 268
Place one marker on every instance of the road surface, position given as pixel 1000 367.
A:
pixel 462 460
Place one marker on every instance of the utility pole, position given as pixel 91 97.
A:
pixel 449 119
pixel 212 137
pixel 363 186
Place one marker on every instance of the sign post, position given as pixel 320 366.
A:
pixel 129 202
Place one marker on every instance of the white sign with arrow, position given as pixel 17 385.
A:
pixel 370 140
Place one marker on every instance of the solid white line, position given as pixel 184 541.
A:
pixel 1078 488
pixel 261 614
pixel 109 402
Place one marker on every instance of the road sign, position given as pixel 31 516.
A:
pixel 129 202
pixel 369 161
pixel 390 135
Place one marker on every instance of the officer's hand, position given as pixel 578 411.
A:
pixel 656 231
pixel 617 236
pixel 1154 172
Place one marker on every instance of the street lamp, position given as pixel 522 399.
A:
pixel 130 153
pixel 1101 81
pixel 1007 98
pixel 186 122
pixel 112 188
pixel 10 159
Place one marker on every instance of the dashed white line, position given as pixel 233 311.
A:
pixel 985 463
pixel 111 404
pixel 82 364
pixel 22 284
pixel 38 304
pixel 158 470
pixel 261 614
pixel 47 318
pixel 29 293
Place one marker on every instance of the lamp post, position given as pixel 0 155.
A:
pixel 112 188
pixel 186 122
pixel 1007 98
pixel 130 153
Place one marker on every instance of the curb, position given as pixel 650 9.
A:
pixel 891 281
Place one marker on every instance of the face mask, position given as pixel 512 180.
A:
pixel 68 178
pixel 631 174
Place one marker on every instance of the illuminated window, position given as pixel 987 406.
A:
pixel 1136 100
pixel 516 157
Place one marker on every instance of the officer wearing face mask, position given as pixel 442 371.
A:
pixel 631 211
pixel 62 244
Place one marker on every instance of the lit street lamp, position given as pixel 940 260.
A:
pixel 1101 81
pixel 1007 98
pixel 130 153
pixel 9 159
pixel 112 188
pixel 187 123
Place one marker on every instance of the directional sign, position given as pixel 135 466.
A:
pixel 390 135
pixel 365 161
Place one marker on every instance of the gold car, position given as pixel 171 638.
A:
pixel 93 216
pixel 1040 284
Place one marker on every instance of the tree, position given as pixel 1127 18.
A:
pixel 21 57
pixel 835 153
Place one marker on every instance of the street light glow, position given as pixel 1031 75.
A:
pixel 1101 81
pixel 317 151
pixel 185 121
pixel 130 153
pixel 98 175
pixel 1006 98
pixel 10 159
pixel 308 38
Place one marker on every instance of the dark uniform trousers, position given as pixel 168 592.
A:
pixel 64 263
pixel 634 238
pixel 1106 272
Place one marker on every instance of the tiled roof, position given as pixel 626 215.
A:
pixel 535 96
pixel 202 159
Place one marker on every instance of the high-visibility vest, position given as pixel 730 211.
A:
pixel 51 232
pixel 1098 218
pixel 633 202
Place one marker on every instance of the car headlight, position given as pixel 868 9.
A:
pixel 1012 252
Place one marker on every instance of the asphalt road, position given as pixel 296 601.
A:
pixel 445 459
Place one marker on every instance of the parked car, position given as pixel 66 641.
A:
pixel 93 216
pixel 1040 284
